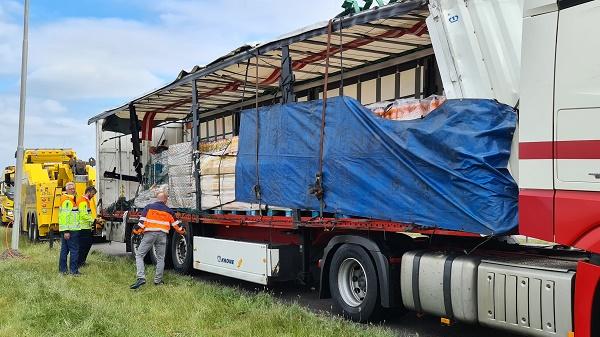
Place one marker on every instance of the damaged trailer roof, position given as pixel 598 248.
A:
pixel 358 41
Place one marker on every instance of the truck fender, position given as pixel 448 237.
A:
pixel 389 296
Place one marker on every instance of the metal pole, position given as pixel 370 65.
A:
pixel 19 174
pixel 196 145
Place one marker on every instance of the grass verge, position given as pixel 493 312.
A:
pixel 36 301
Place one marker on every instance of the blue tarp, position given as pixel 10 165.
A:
pixel 447 170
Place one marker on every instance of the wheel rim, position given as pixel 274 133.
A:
pixel 352 282
pixel 180 249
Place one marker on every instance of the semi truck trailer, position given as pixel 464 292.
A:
pixel 541 278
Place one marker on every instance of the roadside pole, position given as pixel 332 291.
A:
pixel 19 169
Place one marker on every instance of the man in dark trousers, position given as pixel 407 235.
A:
pixel 155 222
pixel 69 231
pixel 86 221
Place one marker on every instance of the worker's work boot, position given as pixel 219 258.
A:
pixel 158 283
pixel 140 282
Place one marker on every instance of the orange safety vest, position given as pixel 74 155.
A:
pixel 84 217
pixel 157 217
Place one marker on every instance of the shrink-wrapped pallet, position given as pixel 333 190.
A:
pixel 182 187
pixel 149 195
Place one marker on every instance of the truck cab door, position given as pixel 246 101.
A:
pixel 577 98
pixel 577 125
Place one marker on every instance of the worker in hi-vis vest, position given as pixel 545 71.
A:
pixel 155 223
pixel 68 226
pixel 86 221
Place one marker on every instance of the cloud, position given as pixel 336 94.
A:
pixel 10 37
pixel 80 64
pixel 48 124
pixel 111 57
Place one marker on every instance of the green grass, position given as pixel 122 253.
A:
pixel 36 301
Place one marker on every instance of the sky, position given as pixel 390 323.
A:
pixel 87 56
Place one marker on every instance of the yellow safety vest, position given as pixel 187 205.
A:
pixel 67 214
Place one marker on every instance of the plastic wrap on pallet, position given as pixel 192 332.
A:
pixel 183 182
pixel 157 169
pixel 180 154
pixel 182 197
pixel 447 170
pixel 180 170
pixel 148 196
pixel 406 108
pixel 182 186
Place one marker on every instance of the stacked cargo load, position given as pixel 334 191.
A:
pixel 172 171
pixel 217 176
pixel 217 172
pixel 182 185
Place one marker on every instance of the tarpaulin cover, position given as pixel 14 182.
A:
pixel 447 170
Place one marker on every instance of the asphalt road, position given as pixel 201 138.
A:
pixel 406 325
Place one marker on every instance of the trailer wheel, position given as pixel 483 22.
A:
pixel 353 283
pixel 33 227
pixel 33 233
pixel 135 243
pixel 181 251
pixel 29 231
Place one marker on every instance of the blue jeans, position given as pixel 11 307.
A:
pixel 67 247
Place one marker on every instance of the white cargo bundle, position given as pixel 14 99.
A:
pixel 217 177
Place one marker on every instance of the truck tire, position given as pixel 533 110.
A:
pixel 35 231
pixel 182 251
pixel 353 283
pixel 135 242
pixel 29 231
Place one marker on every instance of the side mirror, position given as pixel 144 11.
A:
pixel 92 162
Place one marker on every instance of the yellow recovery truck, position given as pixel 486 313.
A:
pixel 46 172
pixel 6 195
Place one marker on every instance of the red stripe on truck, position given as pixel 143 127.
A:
pixel 535 150
pixel 578 149
pixel 569 149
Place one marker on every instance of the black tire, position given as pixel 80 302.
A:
pixel 34 229
pixel 182 251
pixel 30 233
pixel 134 241
pixel 354 285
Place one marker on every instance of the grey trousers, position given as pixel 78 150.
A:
pixel 159 241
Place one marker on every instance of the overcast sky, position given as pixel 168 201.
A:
pixel 86 56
